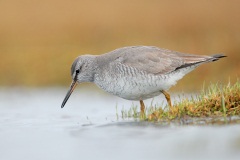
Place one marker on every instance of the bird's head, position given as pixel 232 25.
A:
pixel 82 70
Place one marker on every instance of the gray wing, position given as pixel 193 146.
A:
pixel 155 60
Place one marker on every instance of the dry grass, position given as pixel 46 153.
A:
pixel 216 102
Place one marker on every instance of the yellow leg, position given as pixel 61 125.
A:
pixel 167 96
pixel 142 107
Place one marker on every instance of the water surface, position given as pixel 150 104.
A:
pixel 33 126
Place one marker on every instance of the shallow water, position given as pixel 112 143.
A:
pixel 33 126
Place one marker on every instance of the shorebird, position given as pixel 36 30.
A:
pixel 136 72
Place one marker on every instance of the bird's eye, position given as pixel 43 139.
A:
pixel 78 70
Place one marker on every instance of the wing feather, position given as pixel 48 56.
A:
pixel 155 60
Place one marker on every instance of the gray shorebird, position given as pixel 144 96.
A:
pixel 136 72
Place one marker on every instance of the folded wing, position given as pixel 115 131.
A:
pixel 155 60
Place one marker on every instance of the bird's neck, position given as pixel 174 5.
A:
pixel 92 67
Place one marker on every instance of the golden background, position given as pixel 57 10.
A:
pixel 40 39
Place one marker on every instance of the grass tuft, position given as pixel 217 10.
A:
pixel 215 102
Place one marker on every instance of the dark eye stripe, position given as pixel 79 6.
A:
pixel 77 72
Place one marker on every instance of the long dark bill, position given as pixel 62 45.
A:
pixel 72 87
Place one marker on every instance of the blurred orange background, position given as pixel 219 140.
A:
pixel 40 39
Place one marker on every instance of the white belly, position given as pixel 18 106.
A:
pixel 139 87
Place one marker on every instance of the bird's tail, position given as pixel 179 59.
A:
pixel 216 57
